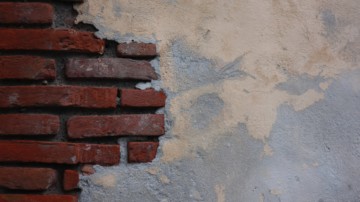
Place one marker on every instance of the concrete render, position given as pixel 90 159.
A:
pixel 263 100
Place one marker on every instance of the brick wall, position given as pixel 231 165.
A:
pixel 66 97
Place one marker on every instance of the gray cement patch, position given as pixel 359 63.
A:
pixel 204 109
pixel 329 21
pixel 192 70
pixel 316 150
pixel 301 84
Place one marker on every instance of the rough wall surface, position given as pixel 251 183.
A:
pixel 67 98
pixel 263 100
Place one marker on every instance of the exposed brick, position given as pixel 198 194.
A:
pixel 57 96
pixel 119 125
pixel 142 98
pixel 71 180
pixel 26 13
pixel 50 40
pixel 142 152
pixel 136 50
pixel 29 124
pixel 27 68
pixel 36 198
pixel 109 68
pixel 27 178
pixel 59 152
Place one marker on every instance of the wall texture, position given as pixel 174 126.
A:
pixel 263 100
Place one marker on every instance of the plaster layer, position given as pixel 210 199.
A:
pixel 236 72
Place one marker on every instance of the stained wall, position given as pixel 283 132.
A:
pixel 263 100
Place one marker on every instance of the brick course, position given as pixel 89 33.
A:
pixel 57 96
pixel 142 98
pixel 59 152
pixel 27 178
pixel 120 125
pixel 29 124
pixel 109 68
pixel 36 198
pixel 50 40
pixel 136 50
pixel 27 68
pixel 26 13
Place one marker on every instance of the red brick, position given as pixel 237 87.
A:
pixel 142 98
pixel 59 152
pixel 71 180
pixel 27 178
pixel 142 152
pixel 109 68
pixel 36 198
pixel 27 68
pixel 136 50
pixel 120 125
pixel 57 96
pixel 26 13
pixel 29 124
pixel 50 40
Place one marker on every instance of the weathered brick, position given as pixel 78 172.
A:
pixel 27 178
pixel 57 96
pixel 50 40
pixel 136 50
pixel 71 180
pixel 58 152
pixel 27 68
pixel 142 98
pixel 37 198
pixel 118 125
pixel 109 68
pixel 26 13
pixel 141 152
pixel 29 124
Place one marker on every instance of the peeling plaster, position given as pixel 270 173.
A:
pixel 236 71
